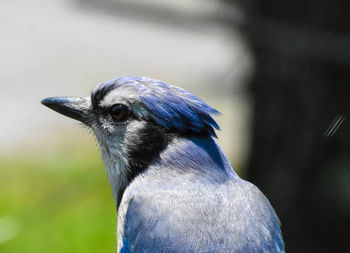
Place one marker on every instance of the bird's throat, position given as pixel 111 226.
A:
pixel 125 160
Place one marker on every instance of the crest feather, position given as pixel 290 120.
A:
pixel 169 106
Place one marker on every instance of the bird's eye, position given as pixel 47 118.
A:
pixel 119 112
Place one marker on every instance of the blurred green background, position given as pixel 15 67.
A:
pixel 56 199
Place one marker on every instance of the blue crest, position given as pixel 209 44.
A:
pixel 169 106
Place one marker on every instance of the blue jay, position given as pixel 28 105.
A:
pixel 175 190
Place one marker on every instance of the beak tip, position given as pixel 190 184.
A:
pixel 72 107
pixel 46 101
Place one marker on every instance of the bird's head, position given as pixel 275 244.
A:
pixel 134 118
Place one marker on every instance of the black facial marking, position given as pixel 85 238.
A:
pixel 150 141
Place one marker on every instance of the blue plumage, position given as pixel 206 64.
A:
pixel 175 189
pixel 191 200
pixel 171 107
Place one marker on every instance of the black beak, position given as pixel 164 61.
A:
pixel 73 107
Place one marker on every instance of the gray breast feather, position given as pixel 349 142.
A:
pixel 229 217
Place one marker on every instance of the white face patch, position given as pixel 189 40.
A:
pixel 132 131
pixel 128 96
pixel 119 96
pixel 114 145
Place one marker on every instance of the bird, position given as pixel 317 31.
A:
pixel 174 188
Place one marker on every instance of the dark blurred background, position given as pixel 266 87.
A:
pixel 300 86
pixel 278 71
